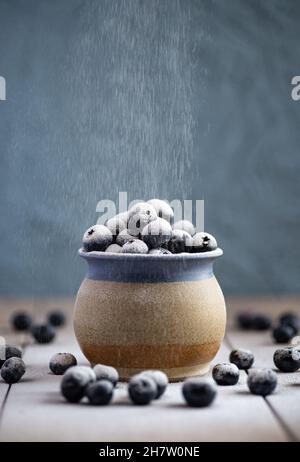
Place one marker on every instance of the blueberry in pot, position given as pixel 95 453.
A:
pixel 97 238
pixel 160 251
pixel 186 226
pixel 139 216
pixel 204 242
pixel 156 233
pixel 180 241
pixel 124 236
pixel 163 209
pixel 135 246
pixel 117 223
pixel 114 248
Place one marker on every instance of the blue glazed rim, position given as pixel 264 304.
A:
pixel 120 267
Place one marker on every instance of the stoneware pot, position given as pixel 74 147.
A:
pixel 137 312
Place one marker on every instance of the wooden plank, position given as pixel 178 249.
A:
pixel 35 411
pixel 285 401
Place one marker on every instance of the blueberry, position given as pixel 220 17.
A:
pixel 8 351
pixel 21 321
pixel 157 233
pixel 204 242
pixel 142 389
pixel 43 333
pixel 243 359
pixel 100 393
pixel 226 374
pixel 283 333
pixel 56 318
pixel 13 370
pixel 245 320
pixel 180 241
pixel 261 322
pixel 161 380
pixel 163 209
pixel 291 320
pixel 262 381
pixel 124 236
pixel 117 223
pixel 186 226
pixel 104 372
pixel 160 251
pixel 74 382
pixel 114 248
pixel 139 216
pixel 135 246
pixel 97 238
pixel 287 359
pixel 60 362
pixel 198 392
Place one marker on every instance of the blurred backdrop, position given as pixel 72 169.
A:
pixel 185 99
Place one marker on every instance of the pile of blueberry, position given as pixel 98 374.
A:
pixel 42 333
pixel 286 327
pixel 147 228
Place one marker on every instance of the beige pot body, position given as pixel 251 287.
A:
pixel 176 327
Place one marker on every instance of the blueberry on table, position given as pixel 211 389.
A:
pixel 104 372
pixel 100 392
pixel 226 374
pixel 13 370
pixel 60 362
pixel 75 381
pixel 135 246
pixel 57 318
pixel 243 359
pixel 123 237
pixel 283 333
pixel 157 233
pixel 142 389
pixel 203 242
pixel 160 251
pixel 185 225
pixel 117 223
pixel 160 378
pixel 245 320
pixel 198 392
pixel 291 320
pixel 262 381
pixel 97 238
pixel 287 359
pixel 9 351
pixel 163 209
pixel 261 322
pixel 43 333
pixel 139 216
pixel 114 248
pixel 21 321
pixel 180 241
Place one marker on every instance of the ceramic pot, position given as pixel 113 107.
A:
pixel 137 312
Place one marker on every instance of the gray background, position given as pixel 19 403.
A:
pixel 177 99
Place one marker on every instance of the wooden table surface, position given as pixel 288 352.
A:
pixel 33 409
